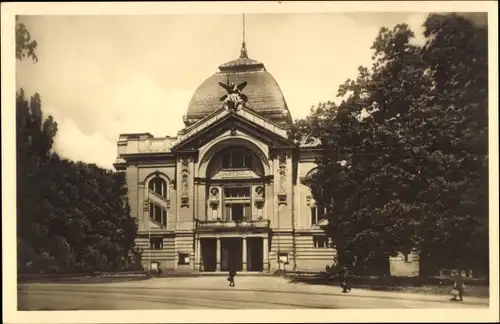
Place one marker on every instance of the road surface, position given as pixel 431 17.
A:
pixel 251 292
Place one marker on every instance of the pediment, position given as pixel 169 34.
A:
pixel 223 121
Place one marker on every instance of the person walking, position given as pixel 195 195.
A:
pixel 344 284
pixel 232 274
pixel 458 288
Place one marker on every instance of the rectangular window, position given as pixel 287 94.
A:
pixel 156 243
pixel 237 192
pixel 320 241
pixel 183 259
pixel 317 214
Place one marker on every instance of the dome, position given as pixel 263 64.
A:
pixel 263 92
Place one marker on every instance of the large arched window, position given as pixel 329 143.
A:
pixel 158 186
pixel 158 203
pixel 237 158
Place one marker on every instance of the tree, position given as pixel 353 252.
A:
pixel 25 46
pixel 416 165
pixel 70 216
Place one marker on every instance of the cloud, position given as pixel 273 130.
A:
pixel 72 144
pixel 135 105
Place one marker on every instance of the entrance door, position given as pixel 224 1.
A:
pixel 208 254
pixel 231 254
pixel 255 254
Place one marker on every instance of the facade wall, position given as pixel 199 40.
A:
pixel 184 246
pixel 282 242
pixel 165 257
pixel 285 203
pixel 311 258
pixel 288 214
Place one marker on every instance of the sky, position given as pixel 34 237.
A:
pixel 100 76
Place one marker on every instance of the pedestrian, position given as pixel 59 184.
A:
pixel 232 274
pixel 458 288
pixel 344 284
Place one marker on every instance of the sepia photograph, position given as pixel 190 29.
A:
pixel 251 159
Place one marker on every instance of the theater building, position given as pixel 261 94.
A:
pixel 229 189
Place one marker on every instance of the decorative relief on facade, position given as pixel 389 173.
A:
pixel 225 174
pixel 259 196
pixel 149 145
pixel 185 182
pixel 213 200
pixel 282 178
pixel 233 131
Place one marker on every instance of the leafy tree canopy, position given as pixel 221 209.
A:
pixel 412 132
pixel 70 216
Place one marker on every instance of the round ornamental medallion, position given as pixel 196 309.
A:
pixel 214 192
pixel 259 191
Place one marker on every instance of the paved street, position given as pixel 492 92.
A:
pixel 251 292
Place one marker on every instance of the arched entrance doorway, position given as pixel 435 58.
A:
pixel 234 233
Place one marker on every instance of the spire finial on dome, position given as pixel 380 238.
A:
pixel 243 53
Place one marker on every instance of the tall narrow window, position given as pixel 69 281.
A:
pixel 314 219
pixel 164 217
pixel 317 213
pixel 158 214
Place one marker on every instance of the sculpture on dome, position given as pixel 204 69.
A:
pixel 234 97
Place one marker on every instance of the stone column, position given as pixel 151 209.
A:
pixel 244 253
pixel 198 254
pixel 265 257
pixel 218 254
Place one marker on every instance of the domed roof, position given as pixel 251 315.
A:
pixel 263 92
